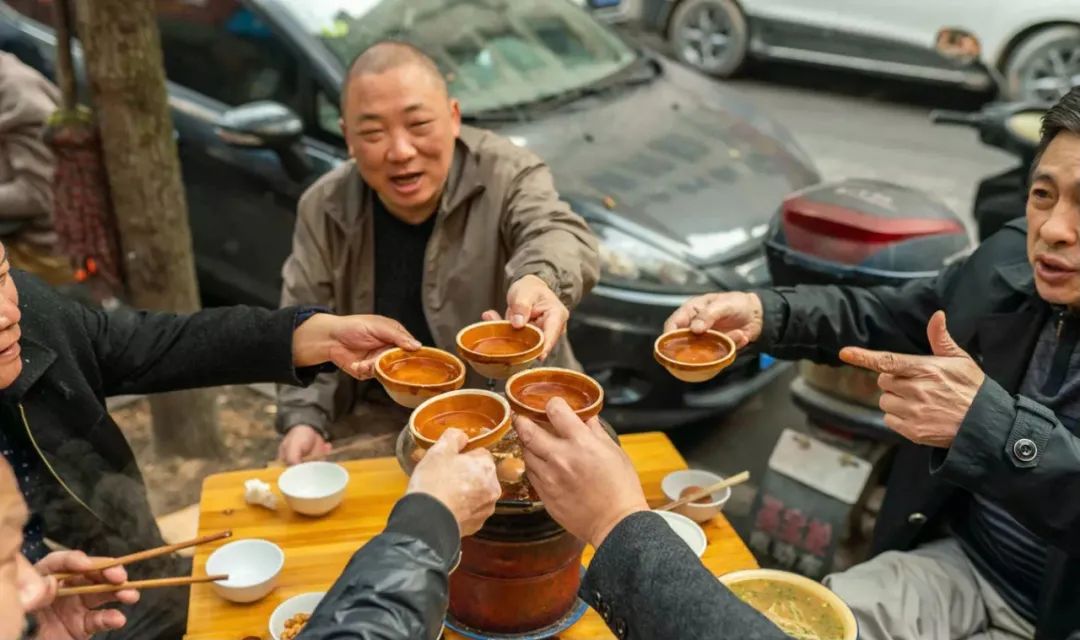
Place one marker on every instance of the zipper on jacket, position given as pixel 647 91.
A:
pixel 49 467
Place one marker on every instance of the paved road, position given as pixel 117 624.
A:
pixel 852 126
pixel 855 126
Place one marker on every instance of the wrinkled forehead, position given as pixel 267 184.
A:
pixel 394 91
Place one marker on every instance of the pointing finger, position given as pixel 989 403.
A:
pixel 882 361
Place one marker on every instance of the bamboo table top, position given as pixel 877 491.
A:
pixel 317 549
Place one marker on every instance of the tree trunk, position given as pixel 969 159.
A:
pixel 127 80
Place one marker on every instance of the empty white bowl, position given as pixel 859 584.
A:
pixel 687 529
pixel 303 603
pixel 314 488
pixel 252 565
pixel 673 484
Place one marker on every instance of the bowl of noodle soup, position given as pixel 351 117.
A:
pixel 800 607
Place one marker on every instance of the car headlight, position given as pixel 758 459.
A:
pixel 628 262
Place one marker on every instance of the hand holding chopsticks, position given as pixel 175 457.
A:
pixel 163 550
pixel 105 564
pixel 137 584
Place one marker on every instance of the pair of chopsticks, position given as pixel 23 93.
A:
pixel 139 557
pixel 738 478
pixel 352 447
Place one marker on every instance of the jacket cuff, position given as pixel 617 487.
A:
pixel 989 435
pixel 550 277
pixel 425 518
pixel 774 317
pixel 290 417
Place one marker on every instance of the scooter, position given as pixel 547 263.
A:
pixel 1013 127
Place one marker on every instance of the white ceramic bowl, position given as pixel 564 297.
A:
pixel 688 530
pixel 252 565
pixel 673 484
pixel 303 603
pixel 314 488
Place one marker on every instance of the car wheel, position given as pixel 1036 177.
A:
pixel 711 35
pixel 1045 65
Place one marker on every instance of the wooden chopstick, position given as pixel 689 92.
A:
pixel 355 445
pixel 146 555
pixel 738 478
pixel 138 584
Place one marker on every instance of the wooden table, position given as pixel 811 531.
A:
pixel 316 550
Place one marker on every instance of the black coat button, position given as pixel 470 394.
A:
pixel 1025 450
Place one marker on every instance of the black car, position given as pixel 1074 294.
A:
pixel 677 176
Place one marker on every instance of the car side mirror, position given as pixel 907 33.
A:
pixel 267 125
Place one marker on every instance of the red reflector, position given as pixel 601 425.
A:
pixel 848 236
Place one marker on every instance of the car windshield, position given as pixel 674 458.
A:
pixel 496 54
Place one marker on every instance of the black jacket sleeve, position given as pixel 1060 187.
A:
pixel 815 322
pixel 397 585
pixel 646 583
pixel 151 352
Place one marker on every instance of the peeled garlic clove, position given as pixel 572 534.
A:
pixel 259 493
pixel 510 469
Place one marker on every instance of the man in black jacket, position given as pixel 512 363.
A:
pixel 979 535
pixel 59 361
pixel 397 585
pixel 644 580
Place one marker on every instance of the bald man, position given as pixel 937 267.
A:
pixel 432 223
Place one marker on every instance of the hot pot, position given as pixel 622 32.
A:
pixel 521 572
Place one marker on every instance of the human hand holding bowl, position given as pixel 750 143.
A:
pixel 738 314
pixel 465 482
pixel 586 481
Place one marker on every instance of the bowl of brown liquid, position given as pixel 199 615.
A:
pixel 411 377
pixel 530 391
pixel 495 349
pixel 693 357
pixel 484 416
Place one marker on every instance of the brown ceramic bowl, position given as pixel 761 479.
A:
pixel 694 357
pixel 483 415
pixel 495 349
pixel 529 392
pixel 411 377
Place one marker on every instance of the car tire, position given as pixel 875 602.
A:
pixel 1049 54
pixel 710 35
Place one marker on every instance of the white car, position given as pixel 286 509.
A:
pixel 1034 44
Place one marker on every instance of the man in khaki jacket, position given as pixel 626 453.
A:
pixel 432 223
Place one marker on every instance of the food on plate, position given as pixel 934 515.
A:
pixel 693 349
pixel 259 493
pixel 537 394
pixel 421 370
pixel 797 611
pixel 294 625
pixel 510 469
pixel 706 499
